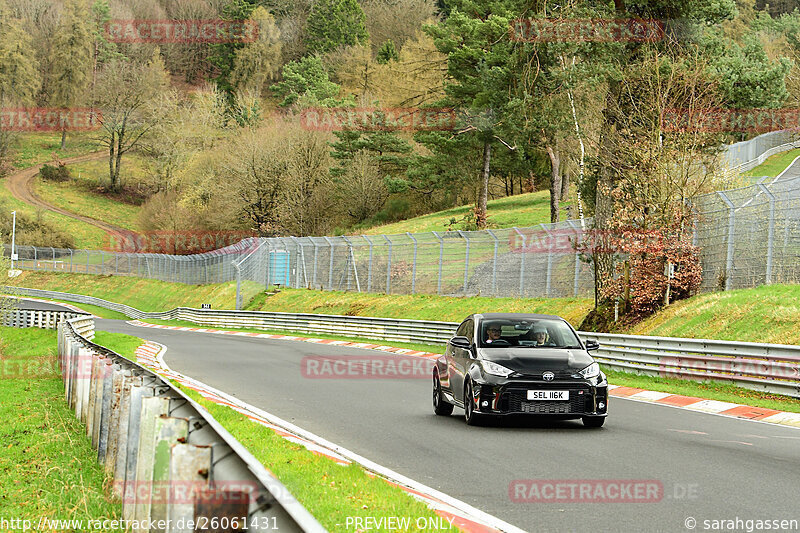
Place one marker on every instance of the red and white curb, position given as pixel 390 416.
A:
pixel 349 344
pixel 460 514
pixel 690 403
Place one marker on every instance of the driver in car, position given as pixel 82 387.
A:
pixel 493 333
pixel 541 336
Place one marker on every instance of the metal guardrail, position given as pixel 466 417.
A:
pixel 773 368
pixel 172 463
pixel 30 318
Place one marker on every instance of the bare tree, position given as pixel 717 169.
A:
pixel 126 92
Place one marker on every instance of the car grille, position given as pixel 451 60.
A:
pixel 515 401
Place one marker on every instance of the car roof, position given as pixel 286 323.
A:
pixel 512 316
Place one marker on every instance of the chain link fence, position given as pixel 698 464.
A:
pixel 746 155
pixel 750 236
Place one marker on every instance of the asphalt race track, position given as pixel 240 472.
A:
pixel 711 467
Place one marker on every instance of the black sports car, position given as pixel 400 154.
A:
pixel 512 364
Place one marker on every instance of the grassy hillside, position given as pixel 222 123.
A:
pixel 36 148
pixel 768 314
pixel 143 294
pixel 423 307
pixel 520 210
pixel 82 194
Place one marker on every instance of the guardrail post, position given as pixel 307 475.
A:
pixel 414 265
pixel 105 410
pixel 120 377
pixel 70 260
pixel 521 262
pixel 466 261
pixel 169 432
pixel 731 236
pixel 770 232
pixel 187 465
pixel 369 267
pixel 139 391
pixel 152 408
pixel 121 461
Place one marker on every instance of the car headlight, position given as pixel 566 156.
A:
pixel 591 371
pixel 495 369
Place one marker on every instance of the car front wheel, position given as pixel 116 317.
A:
pixel 440 406
pixel 472 418
pixel 593 421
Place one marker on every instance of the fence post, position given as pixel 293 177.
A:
pixel 330 265
pixel 770 232
pixel 388 267
pixel 521 262
pixel 577 258
pixel 414 265
pixel 238 286
pixel 494 263
pixel 731 233
pixel 53 250
pixel 466 261
pixel 70 260
pixel 549 259
pixel 369 268
pixel 441 256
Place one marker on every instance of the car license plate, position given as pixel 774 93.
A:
pixel 552 395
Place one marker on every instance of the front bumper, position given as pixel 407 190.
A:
pixel 509 397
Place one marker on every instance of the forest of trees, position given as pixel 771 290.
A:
pixel 220 124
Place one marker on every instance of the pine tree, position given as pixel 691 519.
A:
pixel 333 23
pixel 72 60
pixel 387 53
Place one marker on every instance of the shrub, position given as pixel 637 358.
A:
pixel 55 173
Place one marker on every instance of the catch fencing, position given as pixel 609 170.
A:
pixel 746 155
pixel 538 261
pixel 750 236
pixel 171 462
pixel 772 368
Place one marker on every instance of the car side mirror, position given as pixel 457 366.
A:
pixel 592 345
pixel 460 342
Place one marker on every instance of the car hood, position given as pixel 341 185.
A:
pixel 536 360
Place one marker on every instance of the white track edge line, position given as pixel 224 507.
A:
pixel 387 473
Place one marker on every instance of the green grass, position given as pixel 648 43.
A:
pixel 521 210
pixel 418 306
pixel 774 165
pixel 77 196
pixel 331 492
pixel 32 149
pixel 47 466
pixel 769 314
pixel 124 345
pixel 85 235
pixel 143 294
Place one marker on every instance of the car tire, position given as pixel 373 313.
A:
pixel 470 416
pixel 440 406
pixel 593 421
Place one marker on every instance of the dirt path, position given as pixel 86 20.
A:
pixel 20 184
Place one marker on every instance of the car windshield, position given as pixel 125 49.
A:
pixel 533 333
